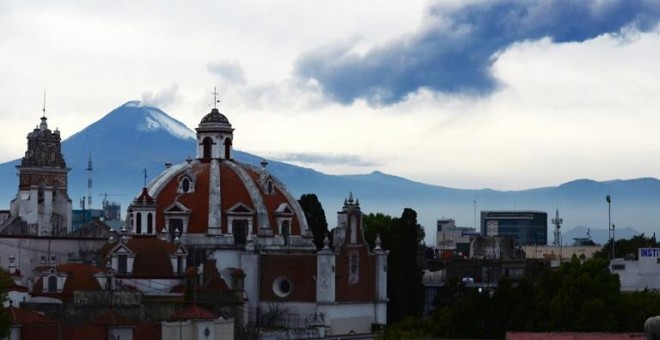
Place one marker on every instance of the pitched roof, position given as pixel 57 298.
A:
pixel 25 316
pixel 194 312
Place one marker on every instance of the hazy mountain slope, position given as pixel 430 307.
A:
pixel 133 137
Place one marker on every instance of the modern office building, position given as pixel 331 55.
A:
pixel 525 227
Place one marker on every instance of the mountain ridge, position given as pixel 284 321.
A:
pixel 121 150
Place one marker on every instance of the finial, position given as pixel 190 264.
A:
pixel 350 198
pixel 378 241
pixel 44 108
pixel 215 97
pixel 145 177
pixel 326 242
pixel 263 163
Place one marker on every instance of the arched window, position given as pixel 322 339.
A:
pixel 227 148
pixel 353 267
pixel 138 223
pixel 208 147
pixel 52 284
pixel 150 223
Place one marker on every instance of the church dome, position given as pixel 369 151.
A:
pixel 213 118
pixel 217 195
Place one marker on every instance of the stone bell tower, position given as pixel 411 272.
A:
pixel 42 200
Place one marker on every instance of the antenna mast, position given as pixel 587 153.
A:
pixel 557 221
pixel 89 181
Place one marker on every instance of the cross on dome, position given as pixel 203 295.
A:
pixel 215 97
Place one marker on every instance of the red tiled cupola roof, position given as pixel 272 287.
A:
pixel 144 197
pixel 194 312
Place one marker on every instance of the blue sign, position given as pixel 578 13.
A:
pixel 649 252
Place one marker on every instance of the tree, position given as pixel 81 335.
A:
pixel 404 276
pixel 5 321
pixel 375 225
pixel 315 218
pixel 625 247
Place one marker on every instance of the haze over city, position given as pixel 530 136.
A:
pixel 468 94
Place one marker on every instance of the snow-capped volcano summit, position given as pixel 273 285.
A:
pixel 142 118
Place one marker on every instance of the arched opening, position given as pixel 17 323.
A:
pixel 138 223
pixel 150 223
pixel 240 232
pixel 207 145
pixel 227 148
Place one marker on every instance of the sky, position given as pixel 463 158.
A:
pixel 467 94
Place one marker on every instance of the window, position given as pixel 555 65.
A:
pixel 619 267
pixel 269 187
pixel 227 148
pixel 179 265
pixel 175 224
pixel 286 231
pixel 239 229
pixel 353 267
pixel 150 223
pixel 186 184
pixel 138 223
pixel 52 284
pixel 207 145
pixel 282 286
pixel 122 264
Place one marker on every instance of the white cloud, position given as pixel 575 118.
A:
pixel 565 111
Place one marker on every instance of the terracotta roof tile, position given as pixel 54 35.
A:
pixel 25 316
pixel 194 312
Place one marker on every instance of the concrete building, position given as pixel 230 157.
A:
pixel 640 274
pixel 525 227
pixel 452 240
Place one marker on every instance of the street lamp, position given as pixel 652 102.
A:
pixel 610 231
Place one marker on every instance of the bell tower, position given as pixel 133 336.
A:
pixel 42 200
pixel 214 136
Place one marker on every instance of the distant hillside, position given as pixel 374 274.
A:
pixel 134 137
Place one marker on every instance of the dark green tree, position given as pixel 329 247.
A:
pixel 627 247
pixel 5 321
pixel 375 225
pixel 404 276
pixel 315 218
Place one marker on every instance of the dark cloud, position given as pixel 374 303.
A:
pixel 324 159
pixel 455 48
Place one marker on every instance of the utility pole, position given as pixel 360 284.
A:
pixel 610 231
